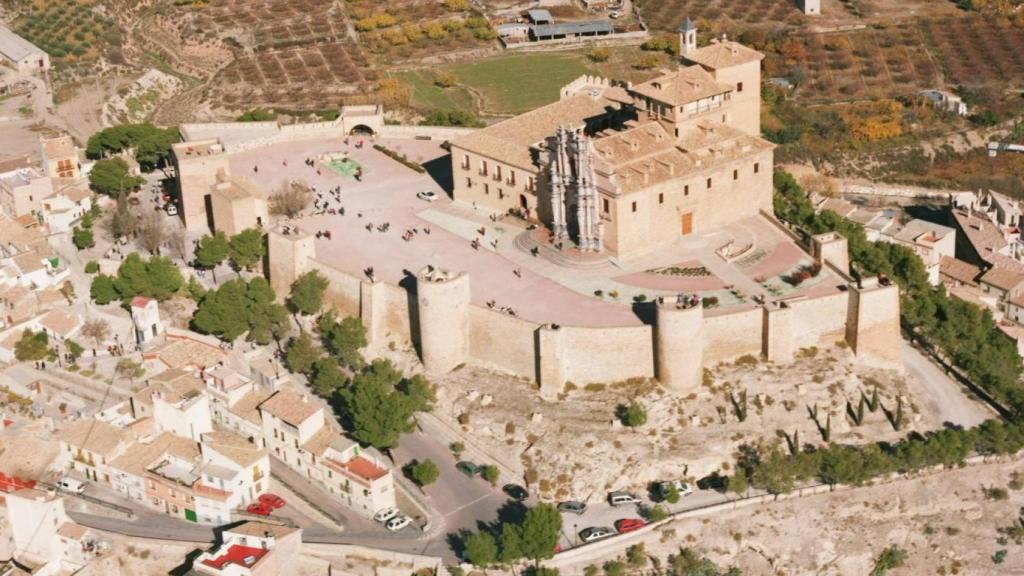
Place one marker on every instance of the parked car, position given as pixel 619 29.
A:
pixel 515 491
pixel 614 14
pixel 385 514
pixel 468 468
pixel 427 195
pixel 171 209
pixel 397 523
pixel 625 525
pixel 573 507
pixel 258 508
pixel 596 533
pixel 622 498
pixel 72 485
pixel 272 500
pixel 682 488
pixel 134 200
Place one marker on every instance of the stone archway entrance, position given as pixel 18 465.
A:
pixel 361 130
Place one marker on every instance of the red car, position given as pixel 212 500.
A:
pixel 258 508
pixel 629 525
pixel 272 500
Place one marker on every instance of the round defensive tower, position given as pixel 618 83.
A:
pixel 442 300
pixel 679 342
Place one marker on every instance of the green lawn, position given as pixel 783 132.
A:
pixel 429 96
pixel 516 84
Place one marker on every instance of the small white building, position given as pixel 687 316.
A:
pixel 65 209
pixel 146 318
pixel 252 549
pixel 177 402
pixel 43 535
pixel 810 7
pixel 946 101
pixel 21 54
pixel 23 190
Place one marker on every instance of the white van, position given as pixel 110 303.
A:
pixel 69 484
pixel 622 498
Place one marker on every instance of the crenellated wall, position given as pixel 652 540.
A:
pixel 435 314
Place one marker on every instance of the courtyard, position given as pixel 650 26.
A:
pixel 380 223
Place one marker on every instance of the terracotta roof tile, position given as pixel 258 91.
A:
pixel 723 54
pixel 289 406
pixel 93 435
pixel 682 86
pixel 959 270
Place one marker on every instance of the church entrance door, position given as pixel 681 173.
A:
pixel 687 223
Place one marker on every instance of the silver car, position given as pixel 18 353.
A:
pixel 595 533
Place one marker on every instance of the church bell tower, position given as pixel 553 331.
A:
pixel 687 37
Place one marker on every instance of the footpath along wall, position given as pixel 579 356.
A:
pixel 432 311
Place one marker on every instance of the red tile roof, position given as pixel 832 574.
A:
pixel 364 468
pixel 140 301
pixel 236 554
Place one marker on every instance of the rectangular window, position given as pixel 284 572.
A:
pixel 757 167
pixel 634 206
pixel 686 190
pixel 739 87
pixel 469 182
pixel 465 161
pixel 483 167
pixel 604 202
pixel 661 198
pixel 532 184
pixel 497 172
pixel 512 177
pixel 709 183
pixel 735 174
pixel 487 188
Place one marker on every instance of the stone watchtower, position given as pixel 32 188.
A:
pixel 687 36
pixel 442 305
pixel 679 343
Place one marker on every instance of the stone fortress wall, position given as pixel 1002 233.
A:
pixel 432 311
pixel 243 136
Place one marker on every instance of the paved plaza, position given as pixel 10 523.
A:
pixel 386 227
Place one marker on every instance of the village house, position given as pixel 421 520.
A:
pixel 184 349
pixel 945 101
pixel 21 54
pixel 234 399
pixel 45 540
pixel 23 190
pixel 201 482
pixel 65 209
pixel 296 433
pixel 60 158
pixel 90 445
pixel 177 402
pixel 251 549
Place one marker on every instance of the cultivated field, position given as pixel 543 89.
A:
pixel 667 15
pixel 975 51
pixel 294 54
pixel 868 63
pixel 68 30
